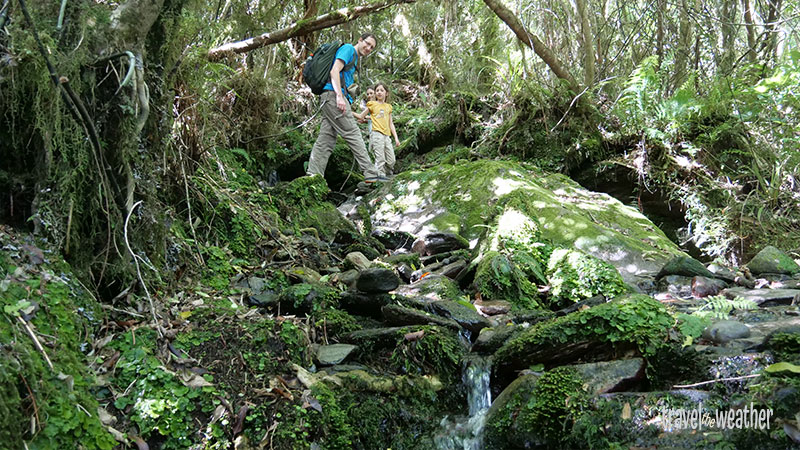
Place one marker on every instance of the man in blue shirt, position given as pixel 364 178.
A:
pixel 337 117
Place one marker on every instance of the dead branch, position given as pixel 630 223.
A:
pixel 301 27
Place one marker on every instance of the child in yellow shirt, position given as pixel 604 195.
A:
pixel 382 130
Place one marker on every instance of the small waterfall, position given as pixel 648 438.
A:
pixel 465 433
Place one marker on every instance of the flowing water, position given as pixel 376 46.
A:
pixel 465 433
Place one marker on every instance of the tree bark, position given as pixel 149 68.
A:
pixel 588 41
pixel 728 31
pixel 770 46
pixel 532 42
pixel 747 6
pixel 684 48
pixel 301 27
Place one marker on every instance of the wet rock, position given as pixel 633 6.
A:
pixel 439 242
pixel 377 281
pixel 405 273
pixel 772 260
pixel 256 284
pixel 679 286
pixel 379 337
pixel 466 316
pixel 685 266
pixel 431 287
pixel 409 259
pixel 265 299
pixel 348 278
pixel 397 315
pixel 300 298
pixel 363 304
pixel 357 260
pixel 393 239
pixel 724 331
pixel 303 274
pixel 329 355
pixel 493 307
pixel 453 269
pixel 611 376
pixel 491 339
pixel 706 287
pixel 764 297
pixel 721 272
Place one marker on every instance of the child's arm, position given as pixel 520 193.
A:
pixel 394 132
pixel 361 115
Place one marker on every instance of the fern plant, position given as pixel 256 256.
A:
pixel 719 307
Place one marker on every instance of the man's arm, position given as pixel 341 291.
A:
pixel 341 102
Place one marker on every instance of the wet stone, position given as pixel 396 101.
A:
pixel 357 260
pixel 376 281
pixel 329 355
pixel 726 330
pixel 772 260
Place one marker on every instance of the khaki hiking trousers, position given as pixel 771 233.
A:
pixel 336 122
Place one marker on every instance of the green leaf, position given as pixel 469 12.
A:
pixel 783 367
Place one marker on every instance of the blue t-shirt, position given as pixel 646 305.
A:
pixel 346 53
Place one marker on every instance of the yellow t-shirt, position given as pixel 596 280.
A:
pixel 379 112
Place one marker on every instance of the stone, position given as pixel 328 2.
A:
pixel 772 260
pixel 377 281
pixel 357 260
pixel 362 304
pixel 329 355
pixel 611 376
pixel 438 242
pixel 491 339
pixel 763 297
pixel 722 272
pixel 685 266
pixel 431 288
pixel 493 307
pixel 304 274
pixel 348 278
pixel 466 316
pixel 393 239
pixel 265 299
pixel 405 272
pixel 397 315
pixel 257 285
pixel 724 331
pixel 453 269
pixel 679 286
pixel 706 287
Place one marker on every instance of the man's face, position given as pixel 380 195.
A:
pixel 366 46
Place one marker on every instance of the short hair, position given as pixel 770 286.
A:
pixel 366 35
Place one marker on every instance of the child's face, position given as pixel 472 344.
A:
pixel 380 93
pixel 370 95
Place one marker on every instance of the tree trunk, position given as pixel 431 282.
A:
pixel 660 12
pixel 532 42
pixel 770 47
pixel 301 27
pixel 587 42
pixel 747 6
pixel 727 13
pixel 685 41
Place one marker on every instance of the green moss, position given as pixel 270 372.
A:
pixel 574 276
pixel 785 346
pixel 632 319
pixel 66 313
pixel 499 277
pixel 334 323
pixel 219 269
pixel 437 352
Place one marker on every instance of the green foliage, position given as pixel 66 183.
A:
pixel 574 276
pixel 219 269
pixel 500 277
pixel 719 307
pixel 557 398
pixel 438 352
pixel 334 323
pixel 785 346
pixel 56 397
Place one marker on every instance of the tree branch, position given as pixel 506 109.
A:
pixel 301 27
pixel 532 42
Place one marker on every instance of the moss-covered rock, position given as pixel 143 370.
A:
pixel 635 320
pixel 772 260
pixel 555 209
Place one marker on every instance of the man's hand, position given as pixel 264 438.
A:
pixel 341 102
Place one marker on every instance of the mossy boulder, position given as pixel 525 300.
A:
pixel 772 260
pixel 631 321
pixel 550 207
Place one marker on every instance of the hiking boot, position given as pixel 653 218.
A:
pixel 378 179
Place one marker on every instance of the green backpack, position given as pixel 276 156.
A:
pixel 317 71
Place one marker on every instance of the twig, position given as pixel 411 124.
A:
pixel 716 381
pixel 36 341
pixel 138 270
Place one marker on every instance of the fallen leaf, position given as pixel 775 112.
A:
pixel 626 411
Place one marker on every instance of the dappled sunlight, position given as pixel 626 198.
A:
pixel 512 223
pixel 504 186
